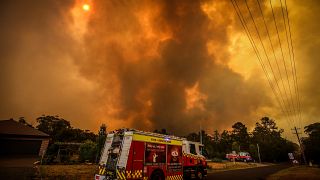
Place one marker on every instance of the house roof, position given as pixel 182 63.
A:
pixel 11 127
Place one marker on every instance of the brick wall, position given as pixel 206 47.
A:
pixel 44 146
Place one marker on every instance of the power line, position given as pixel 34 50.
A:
pixel 264 49
pixel 284 62
pixel 294 65
pixel 243 22
pixel 294 109
pixel 266 54
pixel 272 47
pixel 291 61
pixel 252 41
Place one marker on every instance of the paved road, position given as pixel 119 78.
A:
pixel 258 173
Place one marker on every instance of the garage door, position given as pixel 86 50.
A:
pixel 13 147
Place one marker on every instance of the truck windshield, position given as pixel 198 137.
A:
pixel 192 149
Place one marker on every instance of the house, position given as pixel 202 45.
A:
pixel 17 139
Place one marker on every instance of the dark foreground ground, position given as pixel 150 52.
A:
pixel 247 174
pixel 24 169
pixel 17 167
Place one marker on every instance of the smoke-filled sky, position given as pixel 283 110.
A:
pixel 149 65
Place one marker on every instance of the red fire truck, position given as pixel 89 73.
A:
pixel 242 156
pixel 133 154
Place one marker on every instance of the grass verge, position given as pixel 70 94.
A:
pixel 80 172
pixel 85 171
pixel 297 173
pixel 224 166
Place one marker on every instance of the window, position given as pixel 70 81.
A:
pixel 192 148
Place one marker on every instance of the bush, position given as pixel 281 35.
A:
pixel 51 154
pixel 88 151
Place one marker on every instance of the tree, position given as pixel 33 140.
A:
pixel 207 142
pixel 253 150
pixel 53 125
pixel 162 131
pixel 273 148
pixel 267 130
pixel 226 141
pixel 193 137
pixel 240 135
pixel 235 146
pixel 103 130
pixel 101 140
pixel 312 142
pixel 216 144
pixel 24 122
pixel 221 145
pixel 266 133
pixel 60 130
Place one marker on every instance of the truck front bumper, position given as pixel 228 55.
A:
pixel 99 177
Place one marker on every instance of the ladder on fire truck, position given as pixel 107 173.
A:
pixel 114 151
pixel 118 150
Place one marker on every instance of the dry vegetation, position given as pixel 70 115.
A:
pixel 66 171
pixel 231 165
pixel 84 171
pixel 297 173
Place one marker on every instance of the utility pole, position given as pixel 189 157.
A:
pixel 201 137
pixel 200 133
pixel 259 153
pixel 300 144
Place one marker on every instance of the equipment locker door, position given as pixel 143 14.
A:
pixel 137 161
pixel 138 155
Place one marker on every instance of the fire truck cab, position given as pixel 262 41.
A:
pixel 133 154
pixel 194 163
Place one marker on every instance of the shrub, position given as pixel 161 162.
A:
pixel 88 151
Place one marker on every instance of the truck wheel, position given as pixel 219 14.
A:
pixel 157 175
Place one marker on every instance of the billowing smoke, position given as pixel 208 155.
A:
pixel 307 49
pixel 149 65
pixel 37 74
pixel 153 61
